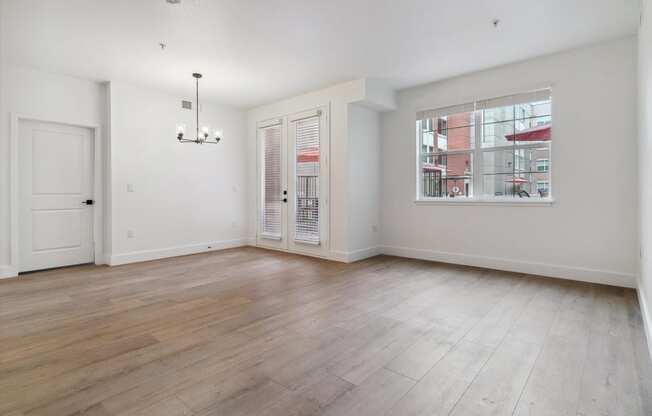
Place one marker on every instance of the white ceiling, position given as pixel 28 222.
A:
pixel 256 51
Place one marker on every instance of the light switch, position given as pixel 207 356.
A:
pixel 130 187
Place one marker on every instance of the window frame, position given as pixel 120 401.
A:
pixel 477 152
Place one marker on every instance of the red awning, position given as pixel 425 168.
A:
pixel 533 134
pixel 428 167
pixel 308 156
pixel 516 180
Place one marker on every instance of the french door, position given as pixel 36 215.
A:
pixel 293 172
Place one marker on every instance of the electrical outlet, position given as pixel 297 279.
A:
pixel 130 234
pixel 130 187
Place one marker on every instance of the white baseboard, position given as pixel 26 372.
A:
pixel 356 255
pixel 147 255
pixel 607 277
pixel 647 319
pixel 7 272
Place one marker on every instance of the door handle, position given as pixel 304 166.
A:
pixel 285 200
pixel 88 202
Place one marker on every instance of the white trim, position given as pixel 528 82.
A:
pixel 7 272
pixel 271 237
pixel 487 201
pixel 607 277
pixel 99 180
pixel 356 255
pixel 294 252
pixel 147 255
pixel 647 320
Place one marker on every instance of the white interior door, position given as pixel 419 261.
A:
pixel 55 182
pixel 308 185
pixel 272 180
pixel 293 173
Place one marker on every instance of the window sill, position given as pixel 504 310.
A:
pixel 520 202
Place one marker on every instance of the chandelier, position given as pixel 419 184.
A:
pixel 201 135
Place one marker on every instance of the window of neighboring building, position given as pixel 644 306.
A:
pixel 543 187
pixel 495 148
pixel 543 165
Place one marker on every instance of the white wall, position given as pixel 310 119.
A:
pixel 43 96
pixel 187 197
pixel 591 231
pixel 364 181
pixel 645 161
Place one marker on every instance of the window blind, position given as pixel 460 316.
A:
pixel 271 170
pixel 445 111
pixel 307 150
pixel 522 98
pixel 508 100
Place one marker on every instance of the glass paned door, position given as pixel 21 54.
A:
pixel 307 155
pixel 272 197
pixel 293 186
pixel 308 185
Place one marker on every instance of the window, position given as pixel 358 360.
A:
pixel 543 165
pixel 490 149
pixel 542 187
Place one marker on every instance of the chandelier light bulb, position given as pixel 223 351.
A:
pixel 181 130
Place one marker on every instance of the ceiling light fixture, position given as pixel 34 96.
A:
pixel 203 136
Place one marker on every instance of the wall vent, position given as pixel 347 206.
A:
pixel 186 104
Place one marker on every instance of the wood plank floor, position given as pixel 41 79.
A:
pixel 253 332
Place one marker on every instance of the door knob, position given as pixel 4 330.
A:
pixel 88 202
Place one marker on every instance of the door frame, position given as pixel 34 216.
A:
pixel 98 185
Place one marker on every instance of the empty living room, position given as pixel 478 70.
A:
pixel 329 208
